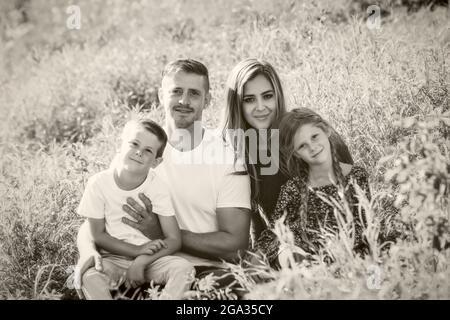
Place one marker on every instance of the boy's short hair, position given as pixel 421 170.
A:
pixel 152 127
pixel 188 66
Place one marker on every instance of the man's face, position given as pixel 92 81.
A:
pixel 183 96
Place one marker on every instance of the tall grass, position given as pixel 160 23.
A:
pixel 63 94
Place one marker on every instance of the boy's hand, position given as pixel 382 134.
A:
pixel 84 263
pixel 151 247
pixel 135 275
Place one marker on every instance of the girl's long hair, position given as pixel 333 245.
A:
pixel 293 166
pixel 243 72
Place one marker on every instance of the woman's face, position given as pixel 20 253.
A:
pixel 259 102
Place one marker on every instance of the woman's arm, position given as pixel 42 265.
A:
pixel 269 243
pixel 257 225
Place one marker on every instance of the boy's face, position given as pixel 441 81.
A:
pixel 139 149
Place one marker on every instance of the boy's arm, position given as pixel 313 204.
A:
pixel 172 239
pixel 109 243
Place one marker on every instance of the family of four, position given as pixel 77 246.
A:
pixel 177 202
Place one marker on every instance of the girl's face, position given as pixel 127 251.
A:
pixel 311 144
pixel 259 102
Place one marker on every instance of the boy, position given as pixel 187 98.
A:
pixel 124 249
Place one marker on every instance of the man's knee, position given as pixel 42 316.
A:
pixel 180 268
pixel 183 267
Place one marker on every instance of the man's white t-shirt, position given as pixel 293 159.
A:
pixel 202 180
pixel 103 199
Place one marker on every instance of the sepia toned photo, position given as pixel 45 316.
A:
pixel 238 150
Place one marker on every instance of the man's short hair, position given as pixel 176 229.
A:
pixel 188 66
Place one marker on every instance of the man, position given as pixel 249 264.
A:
pixel 211 201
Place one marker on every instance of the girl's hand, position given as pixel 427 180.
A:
pixel 151 247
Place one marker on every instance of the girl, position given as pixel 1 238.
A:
pixel 255 100
pixel 310 161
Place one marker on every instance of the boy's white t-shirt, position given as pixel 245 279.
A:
pixel 103 199
pixel 202 180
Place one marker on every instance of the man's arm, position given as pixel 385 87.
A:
pixel 232 237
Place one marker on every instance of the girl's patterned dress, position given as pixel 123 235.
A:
pixel 319 214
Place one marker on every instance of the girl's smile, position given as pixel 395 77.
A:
pixel 312 145
pixel 317 153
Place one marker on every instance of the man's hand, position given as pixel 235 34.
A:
pixel 151 247
pixel 146 221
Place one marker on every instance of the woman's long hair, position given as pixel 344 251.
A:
pixel 292 165
pixel 243 72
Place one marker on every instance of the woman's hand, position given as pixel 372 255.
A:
pixel 146 221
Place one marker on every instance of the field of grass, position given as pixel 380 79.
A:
pixel 64 93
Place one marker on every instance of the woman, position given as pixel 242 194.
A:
pixel 255 100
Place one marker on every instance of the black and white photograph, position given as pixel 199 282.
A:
pixel 249 151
